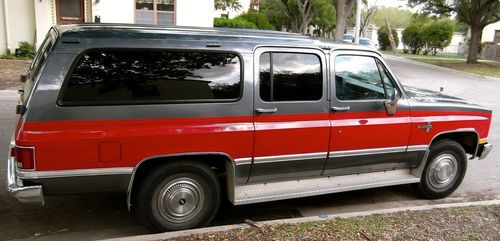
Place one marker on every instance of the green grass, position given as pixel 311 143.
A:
pixel 485 68
pixel 439 55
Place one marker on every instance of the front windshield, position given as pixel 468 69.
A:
pixel 37 64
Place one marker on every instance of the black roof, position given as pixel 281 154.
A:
pixel 248 36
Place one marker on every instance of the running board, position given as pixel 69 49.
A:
pixel 264 192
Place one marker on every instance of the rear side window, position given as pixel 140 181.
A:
pixel 290 77
pixel 149 76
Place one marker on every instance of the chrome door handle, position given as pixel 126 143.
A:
pixel 264 111
pixel 337 109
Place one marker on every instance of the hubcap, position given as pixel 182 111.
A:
pixel 180 200
pixel 443 170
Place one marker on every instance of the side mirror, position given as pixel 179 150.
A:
pixel 23 78
pixel 390 106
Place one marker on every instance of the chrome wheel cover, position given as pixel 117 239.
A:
pixel 442 171
pixel 180 200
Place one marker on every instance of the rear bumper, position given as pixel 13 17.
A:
pixel 23 194
pixel 484 150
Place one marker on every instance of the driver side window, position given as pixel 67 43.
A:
pixel 361 78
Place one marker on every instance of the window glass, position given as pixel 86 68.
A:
pixel 165 18
pixel 388 81
pixel 357 78
pixel 147 76
pixel 70 9
pixel 144 4
pixel 290 77
pixel 165 5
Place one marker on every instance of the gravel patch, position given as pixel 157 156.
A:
pixel 469 223
pixel 10 70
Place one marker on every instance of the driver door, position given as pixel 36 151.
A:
pixel 365 137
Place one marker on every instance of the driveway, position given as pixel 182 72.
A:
pixel 97 216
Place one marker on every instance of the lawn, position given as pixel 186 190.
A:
pixel 469 223
pixel 485 68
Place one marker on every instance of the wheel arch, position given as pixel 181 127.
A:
pixel 220 162
pixel 468 138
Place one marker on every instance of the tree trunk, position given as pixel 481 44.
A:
pixel 475 35
pixel 341 19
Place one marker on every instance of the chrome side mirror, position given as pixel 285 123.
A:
pixel 390 106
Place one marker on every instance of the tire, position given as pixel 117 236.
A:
pixel 444 171
pixel 179 195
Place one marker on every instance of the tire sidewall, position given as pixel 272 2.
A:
pixel 154 183
pixel 441 148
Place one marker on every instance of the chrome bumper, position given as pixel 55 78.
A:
pixel 23 194
pixel 486 150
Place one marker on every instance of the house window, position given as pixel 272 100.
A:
pixel 161 12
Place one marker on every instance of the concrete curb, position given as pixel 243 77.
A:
pixel 439 67
pixel 177 234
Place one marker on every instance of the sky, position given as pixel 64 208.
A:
pixel 390 3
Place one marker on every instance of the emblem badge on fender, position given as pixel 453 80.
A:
pixel 427 127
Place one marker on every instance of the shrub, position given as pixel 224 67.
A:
pixel 383 38
pixel 7 56
pixel 437 35
pixel 412 38
pixel 233 23
pixel 25 50
pixel 260 20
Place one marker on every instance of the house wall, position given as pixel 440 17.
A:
pixel 245 5
pixel 20 24
pixel 194 13
pixel 489 32
pixel 45 18
pixel 114 11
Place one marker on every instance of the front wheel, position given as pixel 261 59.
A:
pixel 179 195
pixel 444 171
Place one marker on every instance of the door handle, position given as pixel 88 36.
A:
pixel 264 111
pixel 338 109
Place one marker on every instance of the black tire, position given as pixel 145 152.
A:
pixel 443 151
pixel 190 185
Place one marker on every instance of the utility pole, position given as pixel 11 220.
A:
pixel 358 22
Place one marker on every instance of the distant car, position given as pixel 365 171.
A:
pixel 348 38
pixel 368 42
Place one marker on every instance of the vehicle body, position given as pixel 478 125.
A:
pixel 170 113
pixel 348 38
pixel 368 42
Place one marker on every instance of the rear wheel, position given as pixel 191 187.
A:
pixel 179 195
pixel 444 170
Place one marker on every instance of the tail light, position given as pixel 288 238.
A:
pixel 25 157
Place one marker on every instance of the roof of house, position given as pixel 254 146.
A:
pixel 250 38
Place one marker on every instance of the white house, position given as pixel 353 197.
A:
pixel 29 20
pixel 491 33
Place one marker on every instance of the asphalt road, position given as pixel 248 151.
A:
pixel 97 216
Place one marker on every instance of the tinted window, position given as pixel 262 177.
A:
pixel 142 76
pixel 290 77
pixel 358 78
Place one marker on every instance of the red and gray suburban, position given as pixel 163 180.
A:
pixel 181 118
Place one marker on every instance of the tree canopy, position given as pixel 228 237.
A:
pixel 475 13
pixel 296 15
pixel 227 4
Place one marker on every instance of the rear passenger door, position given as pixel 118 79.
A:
pixel 365 137
pixel 291 113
